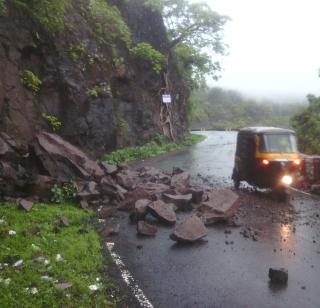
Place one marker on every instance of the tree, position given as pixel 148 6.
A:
pixel 307 126
pixel 195 33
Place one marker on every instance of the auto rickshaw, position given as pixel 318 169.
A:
pixel 266 157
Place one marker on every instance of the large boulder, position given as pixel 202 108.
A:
pixel 62 160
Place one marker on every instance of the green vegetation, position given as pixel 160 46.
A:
pixel 307 125
pixel 30 81
pixel 51 254
pixel 2 6
pixel 109 23
pixel 53 121
pixel 152 148
pixel 195 33
pixel 146 51
pixel 216 108
pixel 77 50
pixel 65 193
pixel 50 13
pixel 94 92
pixel 122 124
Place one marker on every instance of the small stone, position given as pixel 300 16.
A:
pixel 63 286
pixel 12 232
pixel 112 229
pixel 25 204
pixel 278 275
pixel 146 229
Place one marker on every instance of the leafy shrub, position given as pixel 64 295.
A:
pixel 77 50
pixel 2 6
pixel 94 92
pixel 30 81
pixel 146 51
pixel 54 122
pixel 155 147
pixel 66 192
pixel 109 22
pixel 49 13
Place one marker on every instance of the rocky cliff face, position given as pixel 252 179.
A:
pixel 104 99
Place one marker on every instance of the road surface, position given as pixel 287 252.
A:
pixel 229 269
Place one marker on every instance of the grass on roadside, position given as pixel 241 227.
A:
pixel 38 244
pixel 152 148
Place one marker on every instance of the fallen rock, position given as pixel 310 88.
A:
pixel 64 221
pixel 25 204
pixel 211 218
pixel 63 286
pixel 197 194
pixel 110 169
pixel 89 191
pixel 278 275
pixel 132 197
pixel 162 211
pixel 191 230
pixel 141 207
pixel 146 229
pixel 84 204
pixel 156 189
pixel 107 212
pixel 129 179
pixel 62 160
pixel 180 180
pixel 154 175
pixel 110 230
pixel 224 202
pixel 32 231
pixel 183 202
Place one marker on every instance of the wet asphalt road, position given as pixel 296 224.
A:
pixel 229 269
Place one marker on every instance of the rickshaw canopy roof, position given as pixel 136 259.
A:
pixel 266 130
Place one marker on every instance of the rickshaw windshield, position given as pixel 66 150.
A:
pixel 275 143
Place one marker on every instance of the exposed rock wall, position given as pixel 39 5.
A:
pixel 127 109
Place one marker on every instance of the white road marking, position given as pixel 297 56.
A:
pixel 304 193
pixel 128 278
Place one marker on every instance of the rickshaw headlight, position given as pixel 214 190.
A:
pixel 265 162
pixel 287 180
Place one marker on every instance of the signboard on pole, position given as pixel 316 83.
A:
pixel 166 99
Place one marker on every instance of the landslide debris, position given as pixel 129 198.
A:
pixel 29 174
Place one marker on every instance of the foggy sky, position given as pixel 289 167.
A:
pixel 274 47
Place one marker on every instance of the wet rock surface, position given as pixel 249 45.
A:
pixel 191 230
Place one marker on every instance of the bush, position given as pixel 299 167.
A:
pixel 2 6
pixel 146 51
pixel 155 147
pixel 53 121
pixel 64 193
pixel 49 13
pixel 109 22
pixel 30 81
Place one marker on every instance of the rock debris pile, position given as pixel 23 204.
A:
pixel 150 195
